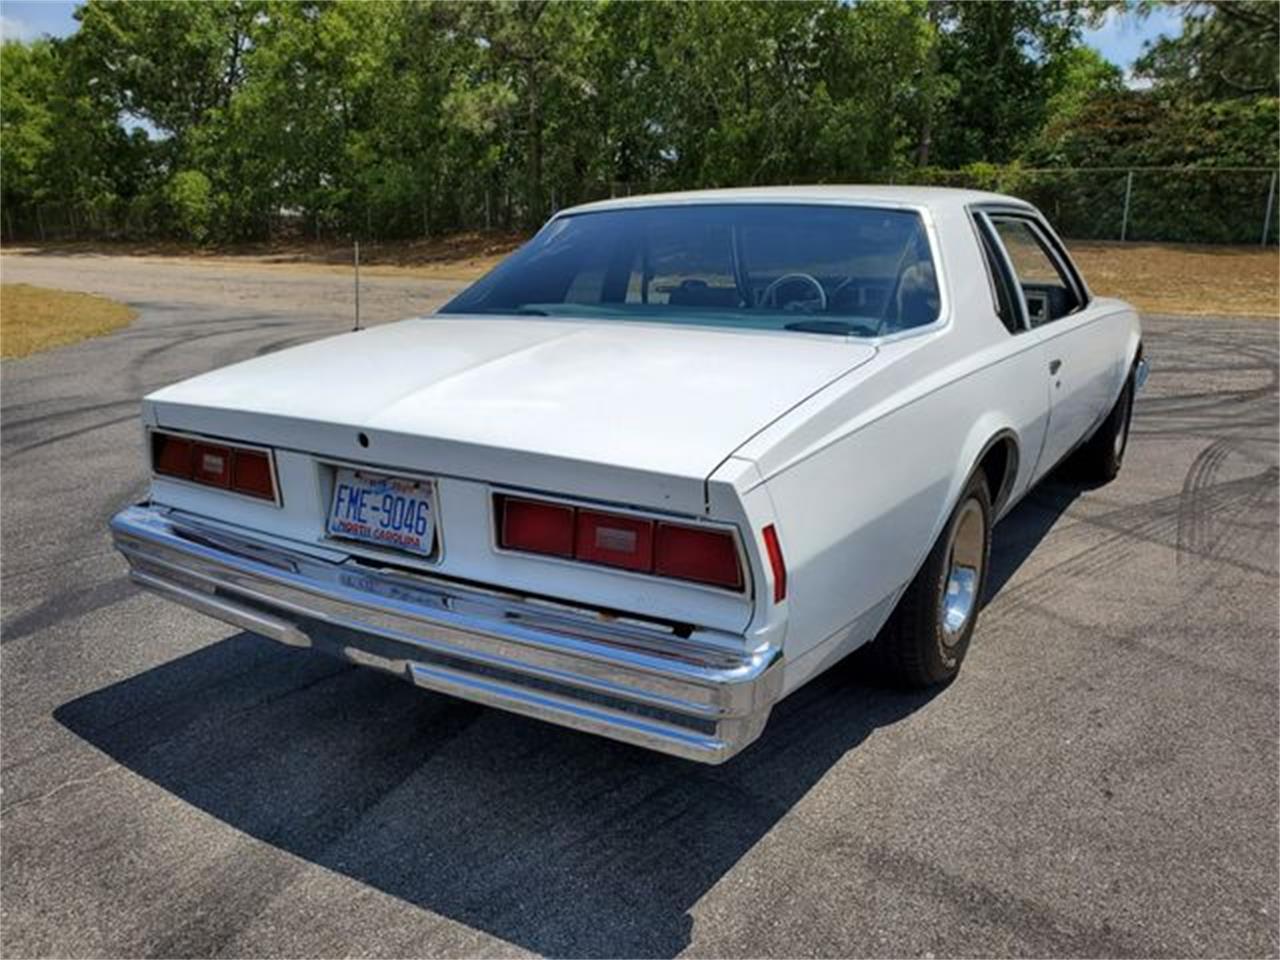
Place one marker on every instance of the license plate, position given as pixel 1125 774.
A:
pixel 390 512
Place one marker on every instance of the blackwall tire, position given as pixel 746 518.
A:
pixel 1100 459
pixel 928 635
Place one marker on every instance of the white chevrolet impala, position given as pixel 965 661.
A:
pixel 667 462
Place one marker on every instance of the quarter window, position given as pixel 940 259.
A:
pixel 1048 293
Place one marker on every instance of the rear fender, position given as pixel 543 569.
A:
pixel 989 430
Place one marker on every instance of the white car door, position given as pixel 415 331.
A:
pixel 1077 346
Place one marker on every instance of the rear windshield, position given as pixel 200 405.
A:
pixel 842 270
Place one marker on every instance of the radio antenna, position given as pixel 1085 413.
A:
pixel 357 263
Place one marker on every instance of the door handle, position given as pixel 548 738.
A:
pixel 1055 366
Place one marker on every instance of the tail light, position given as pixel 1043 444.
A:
pixel 692 553
pixel 614 540
pixel 671 550
pixel 171 456
pixel 241 469
pixel 536 527
pixel 211 464
pixel 251 474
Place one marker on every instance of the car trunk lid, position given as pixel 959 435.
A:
pixel 621 410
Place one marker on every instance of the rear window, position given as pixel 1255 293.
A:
pixel 844 270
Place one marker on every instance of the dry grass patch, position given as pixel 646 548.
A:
pixel 35 318
pixel 461 256
pixel 1185 279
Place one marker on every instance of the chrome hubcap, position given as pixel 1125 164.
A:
pixel 964 569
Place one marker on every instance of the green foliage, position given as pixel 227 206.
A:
pixel 27 126
pixel 168 62
pixel 1134 130
pixel 59 141
pixel 1225 50
pixel 1004 61
pixel 1129 128
pixel 396 119
pixel 190 196
pixel 1078 77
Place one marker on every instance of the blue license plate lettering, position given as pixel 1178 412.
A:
pixel 388 512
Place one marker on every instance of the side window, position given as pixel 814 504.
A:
pixel 1048 292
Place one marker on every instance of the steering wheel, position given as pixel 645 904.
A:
pixel 770 296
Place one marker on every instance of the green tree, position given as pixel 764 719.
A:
pixel 1076 78
pixel 1000 57
pixel 233 119
pixel 62 151
pixel 529 79
pixel 168 62
pixel 190 197
pixel 28 126
pixel 1134 129
pixel 1225 51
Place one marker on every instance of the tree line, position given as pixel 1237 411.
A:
pixel 233 120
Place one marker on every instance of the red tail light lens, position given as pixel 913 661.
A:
pixel 672 550
pixel 703 556
pixel 776 563
pixel 251 474
pixel 615 540
pixel 170 455
pixel 535 527
pixel 240 469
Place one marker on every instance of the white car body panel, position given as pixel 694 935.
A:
pixel 854 449
pixel 647 410
pixel 1093 350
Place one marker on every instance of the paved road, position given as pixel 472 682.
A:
pixel 1101 780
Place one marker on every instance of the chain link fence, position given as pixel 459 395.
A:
pixel 1212 205
pixel 1159 204
pixel 1234 205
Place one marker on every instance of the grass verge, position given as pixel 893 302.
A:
pixel 35 318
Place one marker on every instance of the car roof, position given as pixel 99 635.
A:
pixel 841 194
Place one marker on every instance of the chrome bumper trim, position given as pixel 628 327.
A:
pixel 703 697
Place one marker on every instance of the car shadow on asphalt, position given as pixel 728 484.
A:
pixel 1017 536
pixel 559 842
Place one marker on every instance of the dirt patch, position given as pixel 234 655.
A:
pixel 1156 277
pixel 34 318
pixel 463 256
pixel 1184 279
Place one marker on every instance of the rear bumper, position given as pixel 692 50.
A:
pixel 702 697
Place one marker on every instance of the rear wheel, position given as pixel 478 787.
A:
pixel 927 637
pixel 1101 457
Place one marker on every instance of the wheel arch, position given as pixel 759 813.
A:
pixel 994 447
pixel 999 459
pixel 990 444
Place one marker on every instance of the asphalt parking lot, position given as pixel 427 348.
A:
pixel 1101 779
